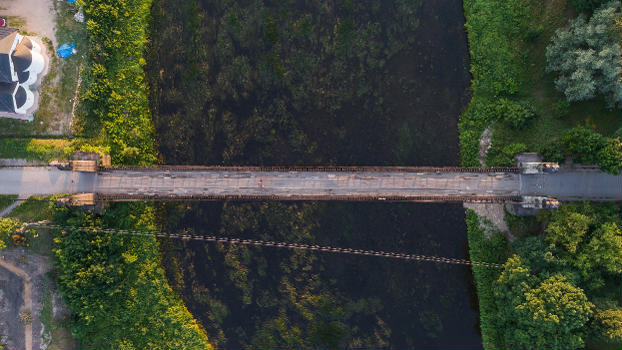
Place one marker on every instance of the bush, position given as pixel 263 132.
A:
pixel 116 93
pixel 583 144
pixel 561 108
pixel 610 156
pixel 516 114
pixel 115 287
pixel 504 156
pixel 552 152
pixel 494 249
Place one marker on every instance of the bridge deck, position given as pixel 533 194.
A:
pixel 303 185
pixel 306 185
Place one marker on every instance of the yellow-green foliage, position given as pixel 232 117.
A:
pixel 35 149
pixel 115 286
pixel 116 94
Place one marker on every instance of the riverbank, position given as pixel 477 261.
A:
pixel 507 47
pixel 121 299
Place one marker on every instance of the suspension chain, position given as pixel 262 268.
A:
pixel 256 242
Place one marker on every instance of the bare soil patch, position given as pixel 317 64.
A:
pixel 14 299
pixel 35 16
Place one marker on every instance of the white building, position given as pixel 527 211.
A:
pixel 22 62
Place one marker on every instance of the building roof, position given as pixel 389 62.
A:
pixel 22 61
pixel 22 57
pixel 6 97
pixel 20 96
pixel 6 43
pixel 5 31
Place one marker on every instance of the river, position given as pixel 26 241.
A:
pixel 251 112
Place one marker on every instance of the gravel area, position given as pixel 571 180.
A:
pixel 38 14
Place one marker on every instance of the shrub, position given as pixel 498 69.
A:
pixel 583 144
pixel 610 156
pixel 504 156
pixel 561 108
pixel 552 152
pixel 516 114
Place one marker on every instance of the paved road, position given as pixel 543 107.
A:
pixel 588 185
pixel 572 186
pixel 29 181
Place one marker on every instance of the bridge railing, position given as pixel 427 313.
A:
pixel 356 198
pixel 414 169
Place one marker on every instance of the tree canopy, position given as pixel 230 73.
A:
pixel 538 312
pixel 587 56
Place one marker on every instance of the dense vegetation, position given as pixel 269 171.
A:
pixel 587 147
pixel 554 292
pixel 115 287
pixel 115 101
pixel 486 244
pixel 515 96
pixel 587 56
pixel 558 288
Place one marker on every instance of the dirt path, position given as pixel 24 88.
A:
pixel 38 15
pixel 27 299
pixel 492 211
pixel 6 211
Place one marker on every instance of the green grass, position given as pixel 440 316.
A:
pixel 35 149
pixel 34 209
pixel 6 200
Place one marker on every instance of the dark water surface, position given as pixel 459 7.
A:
pixel 255 297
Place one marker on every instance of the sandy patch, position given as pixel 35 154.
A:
pixel 38 15
pixel 22 286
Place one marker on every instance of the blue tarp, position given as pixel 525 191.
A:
pixel 71 1
pixel 65 50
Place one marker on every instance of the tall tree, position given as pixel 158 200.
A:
pixel 604 251
pixel 587 56
pixel 607 324
pixel 540 314
pixel 567 230
pixel 553 315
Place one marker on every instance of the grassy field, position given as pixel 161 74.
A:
pixel 34 149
